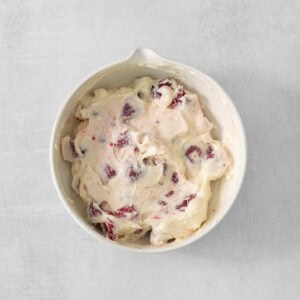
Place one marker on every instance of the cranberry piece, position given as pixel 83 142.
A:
pixel 174 177
pixel 163 82
pixel 110 227
pixel 110 172
pixel 155 93
pixel 209 152
pixel 169 84
pixel 186 201
pixel 85 187
pixel 177 100
pixel 127 111
pixel 122 141
pixel 169 194
pixel 133 174
pixel 191 150
pixel 123 211
pixel 72 146
pixel 94 210
pixel 166 82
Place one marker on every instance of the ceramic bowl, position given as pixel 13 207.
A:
pixel 217 106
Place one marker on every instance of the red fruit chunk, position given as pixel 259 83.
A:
pixel 123 211
pixel 110 227
pixel 121 142
pixel 174 177
pixel 166 82
pixel 127 111
pixel 133 174
pixel 72 146
pixel 186 201
pixel 169 194
pixel 85 187
pixel 177 100
pixel 155 93
pixel 209 152
pixel 94 210
pixel 161 83
pixel 169 84
pixel 192 149
pixel 110 172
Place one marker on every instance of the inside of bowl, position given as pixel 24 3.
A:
pixel 216 105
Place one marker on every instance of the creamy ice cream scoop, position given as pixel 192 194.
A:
pixel 142 160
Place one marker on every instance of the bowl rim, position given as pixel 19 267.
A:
pixel 68 206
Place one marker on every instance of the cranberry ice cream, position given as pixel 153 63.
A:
pixel 142 160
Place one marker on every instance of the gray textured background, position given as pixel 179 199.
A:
pixel 250 47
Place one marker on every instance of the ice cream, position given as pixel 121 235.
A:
pixel 142 160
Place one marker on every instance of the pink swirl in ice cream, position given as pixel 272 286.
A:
pixel 142 160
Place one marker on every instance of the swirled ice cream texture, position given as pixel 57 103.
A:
pixel 142 160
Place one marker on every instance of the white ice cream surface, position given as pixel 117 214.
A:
pixel 142 160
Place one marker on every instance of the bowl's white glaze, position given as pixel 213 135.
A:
pixel 217 107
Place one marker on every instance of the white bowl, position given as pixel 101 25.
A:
pixel 217 107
